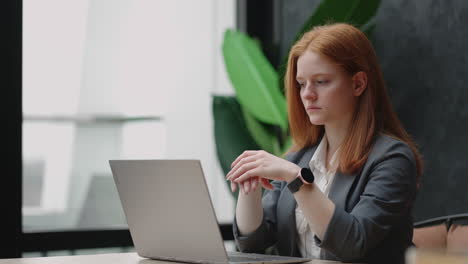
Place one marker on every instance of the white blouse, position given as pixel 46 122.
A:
pixel 323 180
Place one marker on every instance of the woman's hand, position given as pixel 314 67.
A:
pixel 251 185
pixel 259 167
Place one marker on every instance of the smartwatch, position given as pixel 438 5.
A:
pixel 305 176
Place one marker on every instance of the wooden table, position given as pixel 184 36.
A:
pixel 119 258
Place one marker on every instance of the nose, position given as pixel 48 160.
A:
pixel 309 93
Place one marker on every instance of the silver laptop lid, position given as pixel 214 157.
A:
pixel 169 210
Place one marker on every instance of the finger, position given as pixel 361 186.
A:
pixel 243 168
pixel 239 164
pixel 257 181
pixel 246 153
pixel 266 184
pixel 241 188
pixel 247 185
pixel 254 184
pixel 233 186
pixel 247 175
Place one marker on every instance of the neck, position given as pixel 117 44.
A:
pixel 335 134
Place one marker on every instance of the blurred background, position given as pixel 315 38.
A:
pixel 115 80
pixel 94 80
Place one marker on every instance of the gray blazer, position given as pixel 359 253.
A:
pixel 372 221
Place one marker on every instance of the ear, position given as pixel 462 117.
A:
pixel 359 83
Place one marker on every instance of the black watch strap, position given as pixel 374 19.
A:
pixel 296 184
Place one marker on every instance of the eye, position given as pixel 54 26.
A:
pixel 322 82
pixel 300 85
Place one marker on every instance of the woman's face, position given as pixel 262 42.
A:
pixel 327 91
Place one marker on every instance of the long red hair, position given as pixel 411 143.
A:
pixel 349 48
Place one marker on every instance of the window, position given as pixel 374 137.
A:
pixel 116 79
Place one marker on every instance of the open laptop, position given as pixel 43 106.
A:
pixel 170 214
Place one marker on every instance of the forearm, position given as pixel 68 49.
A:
pixel 316 207
pixel 249 211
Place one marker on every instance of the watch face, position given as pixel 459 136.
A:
pixel 307 175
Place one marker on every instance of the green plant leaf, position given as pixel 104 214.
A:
pixel 266 139
pixel 363 12
pixel 368 29
pixel 231 134
pixel 254 79
pixel 356 12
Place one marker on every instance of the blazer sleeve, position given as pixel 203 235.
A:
pixel 265 235
pixel 388 195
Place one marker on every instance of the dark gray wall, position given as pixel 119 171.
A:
pixel 422 46
pixel 292 16
pixel 423 49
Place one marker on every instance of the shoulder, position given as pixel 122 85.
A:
pixel 391 170
pixel 386 146
pixel 391 155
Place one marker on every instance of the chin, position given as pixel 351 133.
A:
pixel 316 121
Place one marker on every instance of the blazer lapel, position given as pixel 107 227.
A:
pixel 340 188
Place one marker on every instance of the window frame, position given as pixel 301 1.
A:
pixel 18 241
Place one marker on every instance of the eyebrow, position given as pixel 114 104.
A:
pixel 298 78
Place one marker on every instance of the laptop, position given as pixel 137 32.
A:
pixel 170 215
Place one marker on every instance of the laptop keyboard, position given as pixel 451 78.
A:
pixel 244 257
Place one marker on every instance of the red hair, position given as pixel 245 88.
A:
pixel 349 48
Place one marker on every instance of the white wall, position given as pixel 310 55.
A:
pixel 178 48
pixel 199 74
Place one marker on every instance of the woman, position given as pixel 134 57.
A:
pixel 346 189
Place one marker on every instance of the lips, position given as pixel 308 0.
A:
pixel 313 108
